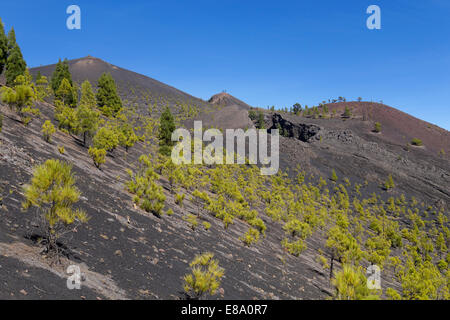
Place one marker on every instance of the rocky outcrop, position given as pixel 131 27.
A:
pixel 300 131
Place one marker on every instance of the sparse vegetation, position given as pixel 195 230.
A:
pixel 150 196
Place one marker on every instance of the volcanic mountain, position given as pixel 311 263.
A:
pixel 127 253
pixel 130 84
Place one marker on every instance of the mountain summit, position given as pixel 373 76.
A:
pixel 226 99
pixel 91 68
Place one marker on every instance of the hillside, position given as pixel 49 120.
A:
pixel 276 237
pixel 134 88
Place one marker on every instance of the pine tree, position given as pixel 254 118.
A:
pixel 3 47
pixel 43 89
pixel 351 284
pixel 38 76
pixel 66 117
pixel 127 136
pixel 87 117
pixel 297 108
pixel 11 39
pixel 205 276
pixel 389 183
pixel 48 130
pixel 334 176
pixel 61 72
pixel 107 98
pixel 20 98
pixel 87 95
pixel 66 93
pixel 98 156
pixel 106 138
pixel 52 190
pixel 167 126
pixel 15 65
pixel 260 121
pixel 347 112
pixel 377 127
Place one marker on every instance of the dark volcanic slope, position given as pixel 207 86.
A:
pixel 351 148
pixel 125 252
pixel 91 68
pixel 398 127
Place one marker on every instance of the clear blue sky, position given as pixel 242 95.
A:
pixel 263 52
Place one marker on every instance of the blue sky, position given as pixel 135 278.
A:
pixel 263 52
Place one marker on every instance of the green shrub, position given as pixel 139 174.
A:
pixel 252 115
pixel 377 127
pixel 192 220
pixel 204 277
pixel 98 156
pixel 179 199
pixel 295 248
pixel 48 129
pixel 106 138
pixel 389 183
pixel 206 225
pixel 351 284
pixel 250 237
pixel 334 177
pixel 416 142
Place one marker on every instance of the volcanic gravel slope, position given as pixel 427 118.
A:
pixel 130 84
pixel 128 254
pixel 133 254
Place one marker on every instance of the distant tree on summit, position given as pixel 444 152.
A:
pixel 3 47
pixel 167 126
pixel 108 101
pixel 297 108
